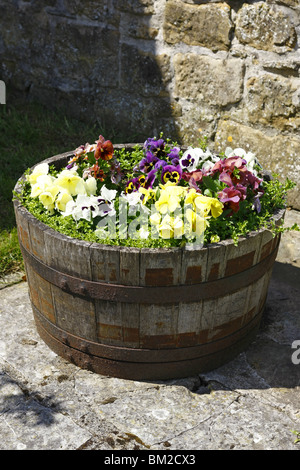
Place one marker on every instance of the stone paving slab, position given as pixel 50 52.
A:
pixel 251 403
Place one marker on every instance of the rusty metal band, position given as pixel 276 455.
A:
pixel 85 352
pixel 150 294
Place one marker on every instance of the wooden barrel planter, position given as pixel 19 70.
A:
pixel 145 313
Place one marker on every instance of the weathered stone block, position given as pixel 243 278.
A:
pixel 289 3
pixel 273 100
pixel 277 153
pixel 205 79
pixel 198 25
pixel 265 27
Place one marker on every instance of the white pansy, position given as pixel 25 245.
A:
pixel 207 165
pixel 105 202
pixel 88 207
pixel 85 207
pixel 132 199
pixel 70 207
pixel 194 158
pixel 108 194
pixel 134 202
pixel 190 159
pixel 212 157
pixel 105 208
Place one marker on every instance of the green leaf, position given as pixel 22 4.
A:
pixel 91 158
pixel 213 185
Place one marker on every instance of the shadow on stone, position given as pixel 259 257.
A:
pixel 287 273
pixel 26 407
pixel 97 61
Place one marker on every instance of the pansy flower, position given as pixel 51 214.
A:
pixel 116 172
pixel 173 155
pixel 144 181
pixel 192 157
pixel 71 182
pixel 132 185
pixel 251 161
pixel 232 196
pixel 62 199
pixel 189 161
pixel 148 162
pixel 41 169
pixel 208 205
pixel 97 172
pixel 195 224
pixel 155 146
pixel 147 181
pixel 171 173
pixel 193 177
pixel 104 149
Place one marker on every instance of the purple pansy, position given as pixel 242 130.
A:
pixel 148 162
pixel 173 155
pixel 171 173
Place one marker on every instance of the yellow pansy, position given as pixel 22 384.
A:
pixel 206 204
pixel 148 194
pixel 216 208
pixel 155 218
pixel 169 199
pixel 71 182
pixel 62 199
pixel 91 186
pixel 195 225
pixel 42 183
pixel 178 227
pixel 47 199
pixel 190 196
pixel 166 229
pixel 173 188
pixel 167 202
pixel 41 169
pixel 168 226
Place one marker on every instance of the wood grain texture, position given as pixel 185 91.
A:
pixel 138 328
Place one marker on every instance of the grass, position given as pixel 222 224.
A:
pixel 28 134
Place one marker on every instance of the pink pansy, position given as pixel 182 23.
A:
pixel 232 197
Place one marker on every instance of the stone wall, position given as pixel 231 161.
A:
pixel 225 69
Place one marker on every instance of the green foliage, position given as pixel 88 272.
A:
pixel 297 433
pixel 247 220
pixel 129 159
pixel 10 255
